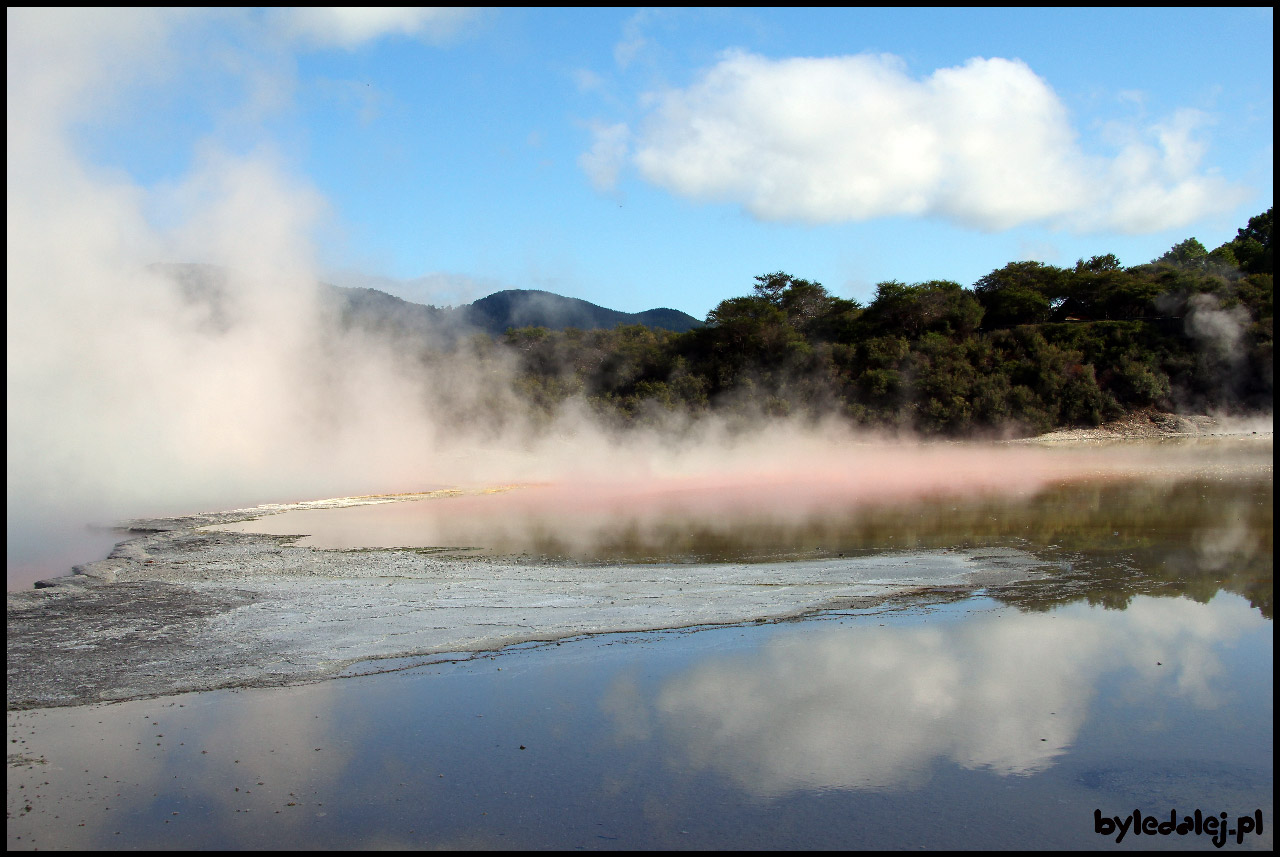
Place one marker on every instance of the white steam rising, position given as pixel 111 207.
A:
pixel 127 398
pixel 1220 329
pixel 124 397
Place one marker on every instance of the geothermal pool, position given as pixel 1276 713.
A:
pixel 716 667
pixel 962 724
pixel 593 524
pixel 895 499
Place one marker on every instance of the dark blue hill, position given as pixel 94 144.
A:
pixel 532 308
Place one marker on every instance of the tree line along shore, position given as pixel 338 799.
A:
pixel 1030 348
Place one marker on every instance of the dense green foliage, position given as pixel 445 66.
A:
pixel 1030 347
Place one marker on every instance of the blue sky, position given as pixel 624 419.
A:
pixel 632 158
pixel 641 158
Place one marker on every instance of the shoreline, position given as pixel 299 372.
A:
pixel 1151 424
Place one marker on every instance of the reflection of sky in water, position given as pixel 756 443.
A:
pixel 862 707
pixel 656 740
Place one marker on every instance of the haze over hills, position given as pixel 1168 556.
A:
pixel 495 314
pixel 533 308
pixel 1029 348
pixel 374 310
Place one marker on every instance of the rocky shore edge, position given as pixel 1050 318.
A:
pixel 1151 424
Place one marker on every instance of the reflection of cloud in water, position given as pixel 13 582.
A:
pixel 625 706
pixel 1230 541
pixel 872 707
pixel 274 735
pixel 245 751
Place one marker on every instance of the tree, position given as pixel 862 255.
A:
pixel 938 306
pixel 804 302
pixel 745 333
pixel 1098 264
pixel 1225 256
pixel 949 308
pixel 1252 245
pixel 1020 293
pixel 779 288
pixel 1259 229
pixel 895 309
pixel 1186 254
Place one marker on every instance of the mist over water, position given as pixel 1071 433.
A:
pixel 859 497
pixel 126 397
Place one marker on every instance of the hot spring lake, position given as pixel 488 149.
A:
pixel 1098 644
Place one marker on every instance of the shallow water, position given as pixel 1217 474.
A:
pixel 967 724
pixel 54 550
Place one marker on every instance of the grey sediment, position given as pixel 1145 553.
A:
pixel 184 608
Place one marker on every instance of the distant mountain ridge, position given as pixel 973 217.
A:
pixel 377 311
pixel 533 308
pixel 494 315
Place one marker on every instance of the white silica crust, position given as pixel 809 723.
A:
pixel 188 607
pixel 475 605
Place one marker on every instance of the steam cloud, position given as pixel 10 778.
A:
pixel 126 397
pixel 1221 330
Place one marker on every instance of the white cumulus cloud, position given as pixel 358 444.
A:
pixel 987 144
pixel 351 26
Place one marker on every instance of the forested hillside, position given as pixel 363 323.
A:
pixel 1028 348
